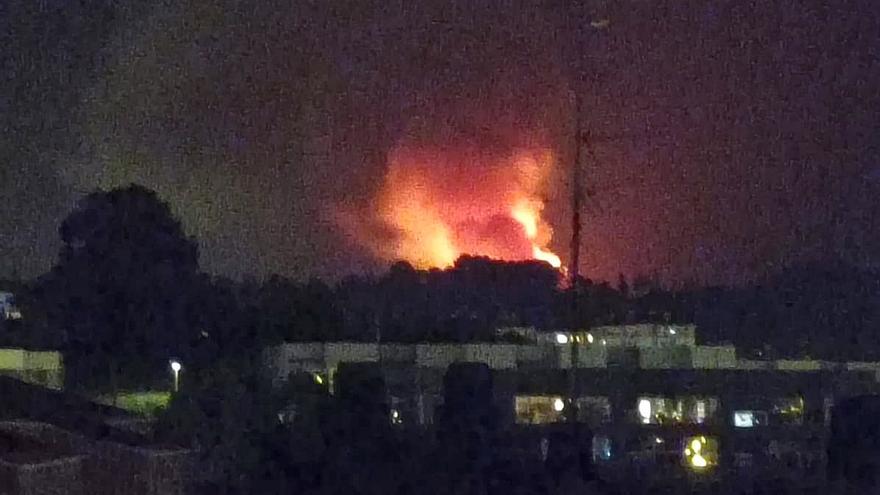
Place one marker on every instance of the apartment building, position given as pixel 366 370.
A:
pixel 653 397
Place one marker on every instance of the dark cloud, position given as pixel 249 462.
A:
pixel 732 136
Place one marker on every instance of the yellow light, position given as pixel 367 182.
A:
pixel 697 446
pixel 687 451
pixel 699 461
pixel 702 439
pixel 319 379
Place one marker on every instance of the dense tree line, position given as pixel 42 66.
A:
pixel 126 294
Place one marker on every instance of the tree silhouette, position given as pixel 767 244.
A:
pixel 118 290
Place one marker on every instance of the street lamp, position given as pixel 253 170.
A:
pixel 175 368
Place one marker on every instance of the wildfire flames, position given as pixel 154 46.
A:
pixel 444 203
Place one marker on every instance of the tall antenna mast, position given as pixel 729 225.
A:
pixel 573 268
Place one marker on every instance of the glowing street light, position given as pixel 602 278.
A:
pixel 558 405
pixel 175 368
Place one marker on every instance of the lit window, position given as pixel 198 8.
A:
pixel 743 419
pixel 601 448
pixel 749 419
pixel 700 452
pixel 539 409
pixel 558 405
pixel 645 410
pixel 789 410
pixel 686 410
pixel 396 419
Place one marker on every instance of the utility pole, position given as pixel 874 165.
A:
pixel 573 270
pixel 581 139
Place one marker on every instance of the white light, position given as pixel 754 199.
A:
pixel 658 440
pixel 645 410
pixel 671 331
pixel 743 419
pixel 561 338
pixel 604 342
pixel 395 417
pixel 558 405
pixel 176 367
pixel 590 338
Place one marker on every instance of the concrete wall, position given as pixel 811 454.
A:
pixel 438 355
pixel 646 335
pixel 20 359
pixel 714 357
pixel 678 357
pixel 798 365
pixel 398 353
pixel 533 356
pixel 349 352
pixel 282 360
pixel 497 356
pixel 752 364
pixel 667 354
pixel 44 368
pixel 12 359
pixel 593 356
pixel 866 367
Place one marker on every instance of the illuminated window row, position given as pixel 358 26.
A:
pixel 549 409
pixel 687 410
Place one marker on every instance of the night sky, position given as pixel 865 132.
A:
pixel 733 137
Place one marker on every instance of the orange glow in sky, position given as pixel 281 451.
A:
pixel 443 203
